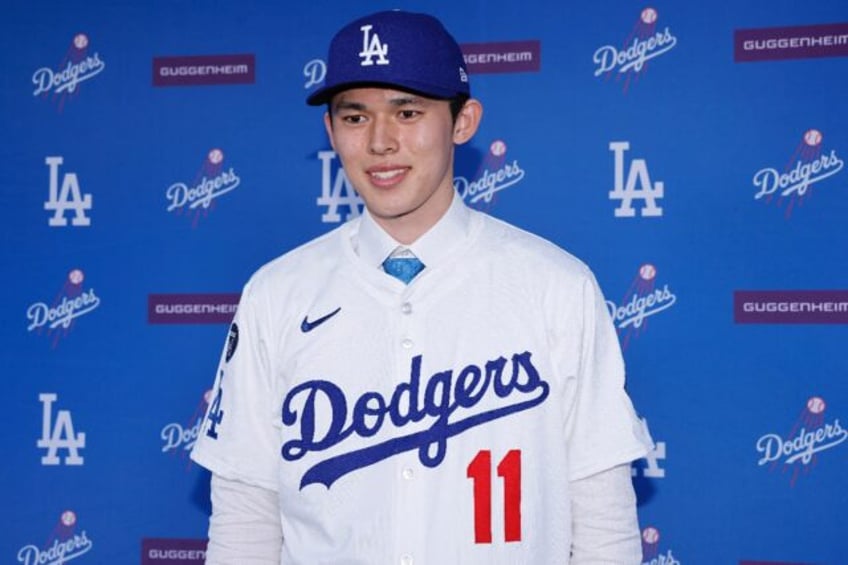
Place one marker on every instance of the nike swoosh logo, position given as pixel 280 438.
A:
pixel 307 326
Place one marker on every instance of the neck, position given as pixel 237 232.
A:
pixel 407 228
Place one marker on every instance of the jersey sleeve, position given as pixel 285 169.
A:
pixel 602 428
pixel 239 436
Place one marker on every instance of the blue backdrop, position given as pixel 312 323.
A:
pixel 155 154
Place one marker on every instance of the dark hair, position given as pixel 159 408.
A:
pixel 456 104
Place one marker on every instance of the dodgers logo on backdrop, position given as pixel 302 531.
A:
pixel 69 199
pixel 76 67
pixel 58 317
pixel 636 186
pixel 644 43
pixel 336 191
pixel 181 437
pixel 58 434
pixel 495 174
pixel 651 552
pixel 315 72
pixel 808 165
pixel 198 197
pixel 642 300
pixel 810 437
pixel 317 416
pixel 63 544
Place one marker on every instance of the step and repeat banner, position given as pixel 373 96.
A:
pixel 155 154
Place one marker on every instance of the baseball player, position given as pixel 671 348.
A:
pixel 424 384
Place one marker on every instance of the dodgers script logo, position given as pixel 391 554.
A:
pixel 641 301
pixel 808 165
pixel 644 43
pixel 180 438
pixel 210 183
pixel 800 449
pixel 75 68
pixel 59 316
pixel 315 72
pixel 496 173
pixel 446 401
pixel 64 544
pixel 651 553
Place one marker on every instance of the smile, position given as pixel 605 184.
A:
pixel 387 176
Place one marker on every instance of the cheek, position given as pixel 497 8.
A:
pixel 432 143
pixel 347 148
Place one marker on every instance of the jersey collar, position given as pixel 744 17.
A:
pixel 373 244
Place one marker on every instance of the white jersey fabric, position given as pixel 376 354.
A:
pixel 439 422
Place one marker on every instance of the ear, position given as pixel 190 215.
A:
pixel 467 121
pixel 328 125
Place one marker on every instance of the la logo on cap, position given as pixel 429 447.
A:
pixel 371 47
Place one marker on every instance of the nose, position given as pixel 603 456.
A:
pixel 383 139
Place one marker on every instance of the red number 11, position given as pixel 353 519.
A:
pixel 480 471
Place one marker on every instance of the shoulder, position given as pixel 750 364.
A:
pixel 303 265
pixel 527 250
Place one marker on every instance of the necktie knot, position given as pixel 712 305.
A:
pixel 403 268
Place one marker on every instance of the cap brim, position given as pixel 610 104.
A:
pixel 325 94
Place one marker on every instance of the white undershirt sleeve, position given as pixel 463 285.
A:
pixel 244 528
pixel 605 528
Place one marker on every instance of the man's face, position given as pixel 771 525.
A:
pixel 397 151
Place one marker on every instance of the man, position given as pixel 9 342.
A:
pixel 424 384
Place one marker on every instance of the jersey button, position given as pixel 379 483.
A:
pixel 406 343
pixel 406 560
pixel 406 308
pixel 408 474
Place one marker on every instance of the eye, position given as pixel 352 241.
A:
pixel 409 114
pixel 353 119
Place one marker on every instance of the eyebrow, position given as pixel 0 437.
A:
pixel 397 102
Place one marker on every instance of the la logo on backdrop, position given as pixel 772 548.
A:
pixel 635 185
pixel 642 300
pixel 810 436
pixel 56 318
pixel 792 184
pixel 63 544
pixel 64 81
pixel 644 43
pixel 67 199
pixel 58 435
pixel 198 197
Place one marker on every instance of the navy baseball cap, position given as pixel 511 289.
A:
pixel 396 49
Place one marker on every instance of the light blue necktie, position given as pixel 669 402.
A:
pixel 403 268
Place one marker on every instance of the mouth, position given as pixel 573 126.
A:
pixel 387 176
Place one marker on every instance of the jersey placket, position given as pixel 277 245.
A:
pixel 407 467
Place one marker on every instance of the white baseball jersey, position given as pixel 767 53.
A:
pixel 438 422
